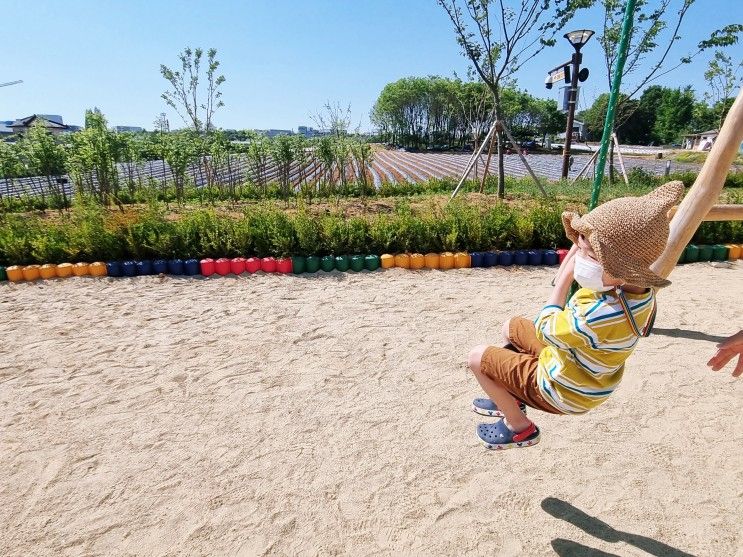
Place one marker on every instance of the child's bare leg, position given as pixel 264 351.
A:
pixel 505 331
pixel 515 419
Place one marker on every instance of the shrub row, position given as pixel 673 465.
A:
pixel 91 233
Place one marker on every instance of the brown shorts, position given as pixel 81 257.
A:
pixel 516 369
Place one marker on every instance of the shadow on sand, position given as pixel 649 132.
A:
pixel 684 333
pixel 601 530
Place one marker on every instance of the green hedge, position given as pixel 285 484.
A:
pixel 91 233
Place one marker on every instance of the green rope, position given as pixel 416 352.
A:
pixel 613 98
pixel 609 121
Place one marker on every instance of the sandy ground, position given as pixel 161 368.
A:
pixel 325 415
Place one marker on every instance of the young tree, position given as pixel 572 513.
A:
pixel 214 159
pixel 93 159
pixel 475 107
pixel 161 123
pixel 363 156
pixel 181 150
pixel 301 157
pixel 129 149
pixel 654 34
pixel 283 153
pixel 334 118
pixel 185 97
pixel 724 77
pixel 324 152
pixel 10 163
pixel 43 155
pixel 499 39
pixel 342 155
pixel 258 154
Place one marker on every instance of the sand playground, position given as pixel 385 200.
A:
pixel 330 415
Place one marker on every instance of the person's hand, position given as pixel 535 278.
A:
pixel 726 351
pixel 570 256
pixel 567 271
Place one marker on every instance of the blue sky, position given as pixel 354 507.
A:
pixel 282 59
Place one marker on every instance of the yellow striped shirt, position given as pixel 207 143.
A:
pixel 586 345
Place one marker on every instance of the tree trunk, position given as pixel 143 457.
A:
pixel 487 164
pixel 501 169
pixel 499 131
pixel 476 147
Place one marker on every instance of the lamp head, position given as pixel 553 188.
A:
pixel 579 38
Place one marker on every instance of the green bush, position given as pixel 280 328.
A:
pixel 382 234
pixel 271 230
pixel 499 227
pixel 88 236
pixel 17 236
pixel 89 233
pixel 307 232
pixel 547 230
pixel 357 230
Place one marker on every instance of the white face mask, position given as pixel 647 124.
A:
pixel 589 274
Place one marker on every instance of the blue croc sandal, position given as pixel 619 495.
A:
pixel 498 436
pixel 486 407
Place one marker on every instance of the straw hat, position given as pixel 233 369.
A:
pixel 629 233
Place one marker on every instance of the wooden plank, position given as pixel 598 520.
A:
pixel 718 213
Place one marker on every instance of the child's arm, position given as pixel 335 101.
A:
pixel 561 326
pixel 563 280
pixel 570 255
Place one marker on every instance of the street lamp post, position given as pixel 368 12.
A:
pixel 577 39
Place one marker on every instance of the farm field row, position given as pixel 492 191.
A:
pixel 388 166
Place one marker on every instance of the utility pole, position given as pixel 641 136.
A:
pixel 577 39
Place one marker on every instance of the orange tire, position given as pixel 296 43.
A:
pixel 462 260
pixel 417 261
pixel 64 270
pixel 48 271
pixel 402 260
pixel 733 251
pixel 15 273
pixel 80 269
pixel 446 260
pixel 432 260
pixel 31 272
pixel 98 269
pixel 387 261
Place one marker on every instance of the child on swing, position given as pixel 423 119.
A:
pixel 571 358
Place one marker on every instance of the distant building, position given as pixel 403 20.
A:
pixel 700 141
pixel 5 128
pixel 53 118
pixel 309 131
pixel 579 131
pixel 133 129
pixel 274 133
pixel 52 122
